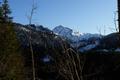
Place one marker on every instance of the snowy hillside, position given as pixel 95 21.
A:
pixel 81 41
pixel 73 36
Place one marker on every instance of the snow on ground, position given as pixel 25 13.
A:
pixel 103 50
pixel 76 33
pixel 46 58
pixel 87 48
pixel 117 50
pixel 25 29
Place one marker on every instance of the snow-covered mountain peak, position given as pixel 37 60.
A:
pixel 85 40
pixel 71 35
pixel 62 30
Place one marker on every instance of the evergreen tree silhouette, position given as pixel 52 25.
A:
pixel 5 11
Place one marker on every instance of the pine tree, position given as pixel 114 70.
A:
pixel 1 13
pixel 11 59
pixel 6 11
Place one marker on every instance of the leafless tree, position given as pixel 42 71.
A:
pixel 71 64
pixel 99 30
pixel 115 20
pixel 33 9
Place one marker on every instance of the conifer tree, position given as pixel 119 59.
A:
pixel 11 59
pixel 6 11
pixel 1 15
pixel 0 11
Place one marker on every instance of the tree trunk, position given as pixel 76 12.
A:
pixel 118 3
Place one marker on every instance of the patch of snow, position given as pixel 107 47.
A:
pixel 117 50
pixel 56 37
pixel 86 36
pixel 46 59
pixel 23 28
pixel 87 48
pixel 56 33
pixel 105 50
pixel 76 33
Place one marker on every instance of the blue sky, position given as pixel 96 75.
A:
pixel 79 15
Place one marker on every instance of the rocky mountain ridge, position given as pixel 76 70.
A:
pixel 87 41
pixel 80 41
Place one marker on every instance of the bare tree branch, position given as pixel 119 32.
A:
pixel 34 7
pixel 115 21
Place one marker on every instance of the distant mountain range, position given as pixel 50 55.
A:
pixel 79 41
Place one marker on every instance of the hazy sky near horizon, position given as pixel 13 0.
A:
pixel 79 15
